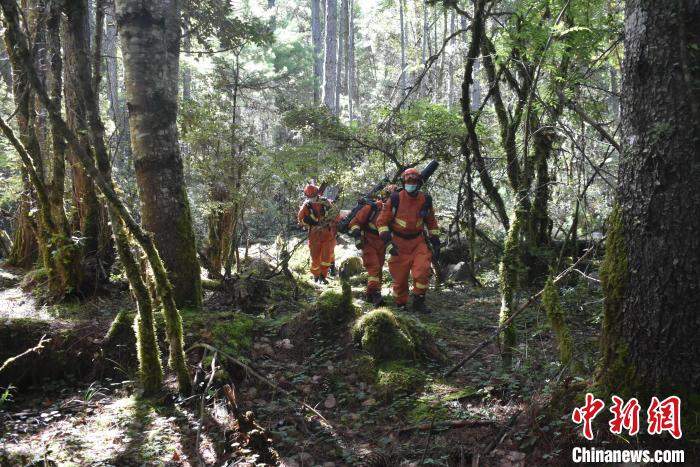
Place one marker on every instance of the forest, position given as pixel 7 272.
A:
pixel 349 233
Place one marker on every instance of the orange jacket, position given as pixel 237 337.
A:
pixel 407 221
pixel 317 211
pixel 366 218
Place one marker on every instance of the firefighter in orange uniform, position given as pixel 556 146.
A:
pixel 363 228
pixel 406 216
pixel 317 214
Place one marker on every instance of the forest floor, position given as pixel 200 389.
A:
pixel 503 417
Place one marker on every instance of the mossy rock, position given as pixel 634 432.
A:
pixel 350 267
pixel 396 378
pixel 386 336
pixel 333 309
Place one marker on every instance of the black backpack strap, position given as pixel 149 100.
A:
pixel 427 206
pixel 395 200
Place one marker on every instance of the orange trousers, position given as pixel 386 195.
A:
pixel 414 258
pixel 322 248
pixel 373 251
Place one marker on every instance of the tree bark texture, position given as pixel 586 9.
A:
pixel 91 215
pixel 331 56
pixel 651 274
pixel 150 37
pixel 316 39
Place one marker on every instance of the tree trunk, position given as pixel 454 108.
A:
pixel 403 50
pixel 476 87
pixel 342 38
pixel 186 70
pixel 331 56
pixel 317 46
pixel 273 18
pixel 25 250
pixel 150 36
pixel 651 269
pixel 89 220
pixel 5 68
pixel 350 69
pixel 17 39
pixel 120 144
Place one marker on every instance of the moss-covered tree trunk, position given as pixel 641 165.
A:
pixel 509 272
pixel 58 253
pixel 651 272
pixel 18 40
pixel 150 38
pixel 24 252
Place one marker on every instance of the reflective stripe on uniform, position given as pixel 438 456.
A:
pixel 354 227
pixel 383 229
pixel 434 232
pixel 372 226
pixel 401 222
pixel 419 223
pixel 421 286
pixel 372 279
pixel 325 264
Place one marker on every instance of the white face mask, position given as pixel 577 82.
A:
pixel 411 188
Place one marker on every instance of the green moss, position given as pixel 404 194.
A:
pixel 616 372
pixel 386 335
pixel 395 378
pixel 365 368
pixel 120 323
pixel 509 270
pixel 555 314
pixel 234 336
pixel 426 409
pixel 334 309
pixel 381 334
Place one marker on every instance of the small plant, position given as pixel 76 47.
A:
pixel 93 390
pixel 6 395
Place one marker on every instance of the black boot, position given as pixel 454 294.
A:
pixel 332 270
pixel 375 298
pixel 419 305
pixel 322 280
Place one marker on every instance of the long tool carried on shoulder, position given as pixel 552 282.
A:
pixel 366 198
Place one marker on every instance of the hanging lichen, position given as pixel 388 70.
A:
pixel 555 315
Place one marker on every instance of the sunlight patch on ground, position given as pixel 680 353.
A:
pixel 122 431
pixel 14 303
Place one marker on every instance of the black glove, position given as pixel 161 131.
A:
pixel 385 236
pixel 309 221
pixel 392 249
pixel 359 243
pixel 435 244
pixel 355 233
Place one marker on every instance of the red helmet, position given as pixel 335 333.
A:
pixel 310 190
pixel 411 174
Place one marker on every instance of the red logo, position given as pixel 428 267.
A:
pixel 661 416
pixel 665 416
pixel 625 416
pixel 587 413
